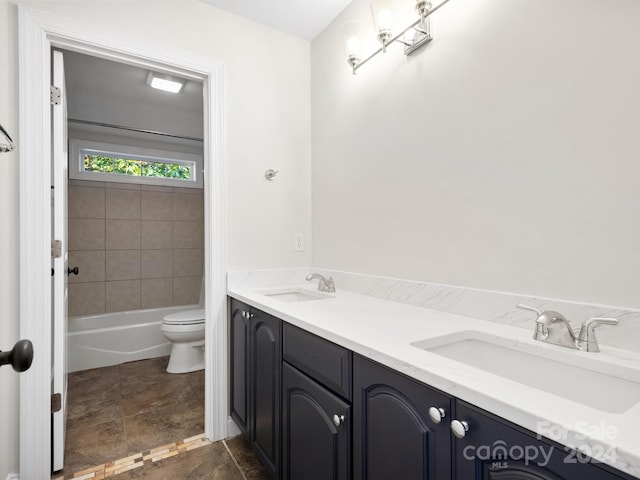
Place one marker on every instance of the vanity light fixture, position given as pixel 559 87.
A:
pixel 165 82
pixel 386 16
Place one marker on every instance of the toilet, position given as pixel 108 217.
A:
pixel 185 330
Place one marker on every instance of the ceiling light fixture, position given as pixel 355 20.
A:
pixel 165 82
pixel 386 15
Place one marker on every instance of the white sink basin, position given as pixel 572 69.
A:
pixel 295 295
pixel 568 374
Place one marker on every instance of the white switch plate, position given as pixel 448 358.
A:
pixel 298 242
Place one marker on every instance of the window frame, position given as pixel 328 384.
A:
pixel 78 147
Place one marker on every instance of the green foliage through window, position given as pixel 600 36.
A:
pixel 138 168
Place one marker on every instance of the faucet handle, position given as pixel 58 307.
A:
pixel 587 335
pixel 527 307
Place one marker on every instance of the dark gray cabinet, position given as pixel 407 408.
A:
pixel 316 430
pixel 256 374
pixel 239 374
pixel 494 449
pixel 393 435
pixel 313 410
pixel 316 411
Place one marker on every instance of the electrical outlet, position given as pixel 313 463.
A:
pixel 298 242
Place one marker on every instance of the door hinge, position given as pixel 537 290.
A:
pixel 56 402
pixel 56 248
pixel 56 95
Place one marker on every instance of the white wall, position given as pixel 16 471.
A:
pixel 9 241
pixel 266 113
pixel 267 125
pixel 504 156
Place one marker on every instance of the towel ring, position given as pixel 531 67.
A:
pixel 6 147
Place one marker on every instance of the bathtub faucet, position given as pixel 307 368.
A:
pixel 325 284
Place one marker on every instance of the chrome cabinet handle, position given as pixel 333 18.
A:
pixel 246 315
pixel 459 428
pixel 338 420
pixel 436 414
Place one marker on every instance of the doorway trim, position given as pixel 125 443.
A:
pixel 38 32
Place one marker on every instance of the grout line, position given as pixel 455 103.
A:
pixel 224 442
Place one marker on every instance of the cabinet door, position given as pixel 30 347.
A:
pixel 393 435
pixel 239 378
pixel 266 365
pixel 493 449
pixel 313 446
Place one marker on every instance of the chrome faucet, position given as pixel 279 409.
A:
pixel 324 284
pixel 553 327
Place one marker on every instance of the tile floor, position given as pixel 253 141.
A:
pixel 137 421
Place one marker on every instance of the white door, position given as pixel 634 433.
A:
pixel 59 231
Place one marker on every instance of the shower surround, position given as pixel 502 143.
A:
pixel 136 246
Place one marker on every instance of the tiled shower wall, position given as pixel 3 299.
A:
pixel 136 246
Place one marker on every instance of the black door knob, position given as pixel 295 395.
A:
pixel 72 270
pixel 19 357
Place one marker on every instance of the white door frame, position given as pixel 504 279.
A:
pixel 38 32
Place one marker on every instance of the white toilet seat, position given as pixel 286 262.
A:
pixel 183 328
pixel 186 317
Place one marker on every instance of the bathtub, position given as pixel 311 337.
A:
pixel 112 338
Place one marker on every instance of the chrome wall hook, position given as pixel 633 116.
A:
pixel 270 174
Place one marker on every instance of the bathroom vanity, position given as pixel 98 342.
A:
pixel 346 386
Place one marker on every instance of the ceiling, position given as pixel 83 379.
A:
pixel 102 90
pixel 302 18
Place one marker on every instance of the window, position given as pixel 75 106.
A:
pixel 119 163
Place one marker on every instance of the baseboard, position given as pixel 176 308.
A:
pixel 232 429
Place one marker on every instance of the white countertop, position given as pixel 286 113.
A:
pixel 383 331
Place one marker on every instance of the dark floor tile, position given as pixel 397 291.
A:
pixel 87 383
pixel 89 413
pixel 172 408
pixel 196 379
pixel 249 463
pixel 209 462
pixel 164 425
pixel 94 444
pixel 143 397
pixel 150 368
pixel 197 386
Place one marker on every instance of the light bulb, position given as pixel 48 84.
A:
pixel 353 46
pixel 385 19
